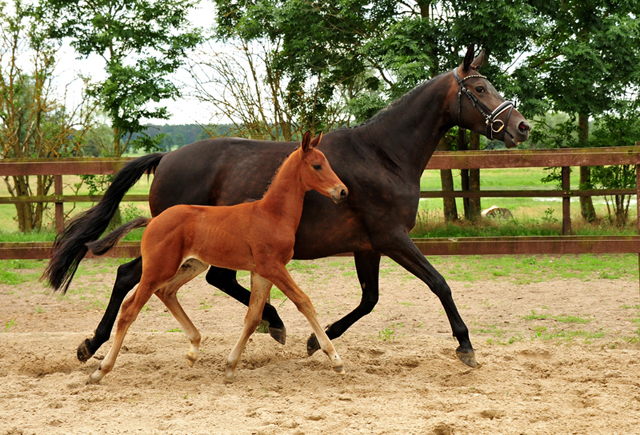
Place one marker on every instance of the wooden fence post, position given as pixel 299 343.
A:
pixel 57 187
pixel 566 202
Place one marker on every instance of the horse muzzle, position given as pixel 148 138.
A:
pixel 338 193
pixel 514 138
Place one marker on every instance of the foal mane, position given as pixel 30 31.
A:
pixel 278 170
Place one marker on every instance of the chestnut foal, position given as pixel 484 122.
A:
pixel 256 236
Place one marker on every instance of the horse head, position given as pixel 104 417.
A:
pixel 480 108
pixel 317 173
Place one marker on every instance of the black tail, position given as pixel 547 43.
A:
pixel 100 247
pixel 69 247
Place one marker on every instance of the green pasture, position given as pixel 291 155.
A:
pixel 532 216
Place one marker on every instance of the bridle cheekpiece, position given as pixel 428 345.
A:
pixel 494 125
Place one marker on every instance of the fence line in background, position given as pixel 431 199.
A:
pixel 561 244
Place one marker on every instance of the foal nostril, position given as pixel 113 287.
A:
pixel 343 194
pixel 524 127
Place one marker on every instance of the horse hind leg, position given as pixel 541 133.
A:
pixel 168 295
pixel 260 288
pixel 225 280
pixel 128 276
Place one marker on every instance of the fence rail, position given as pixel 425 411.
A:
pixel 561 244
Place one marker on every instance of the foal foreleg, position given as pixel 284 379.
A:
pixel 128 315
pixel 260 289
pixel 280 277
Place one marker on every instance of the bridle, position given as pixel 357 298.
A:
pixel 489 116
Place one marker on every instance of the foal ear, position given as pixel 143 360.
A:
pixel 468 58
pixel 305 141
pixel 316 141
pixel 478 61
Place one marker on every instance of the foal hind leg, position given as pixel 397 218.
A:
pixel 260 288
pixel 128 315
pixel 279 276
pixel 168 295
pixel 128 276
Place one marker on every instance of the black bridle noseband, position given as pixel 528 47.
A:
pixel 489 116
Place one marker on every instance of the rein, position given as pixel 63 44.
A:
pixel 489 116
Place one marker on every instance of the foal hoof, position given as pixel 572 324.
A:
pixel 191 360
pixel 83 351
pixel 467 356
pixel 278 334
pixel 312 345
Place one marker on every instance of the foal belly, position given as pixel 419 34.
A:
pixel 236 256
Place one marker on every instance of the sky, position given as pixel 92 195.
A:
pixel 183 110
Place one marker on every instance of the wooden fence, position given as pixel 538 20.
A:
pixel 564 243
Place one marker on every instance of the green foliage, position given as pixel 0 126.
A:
pixel 141 43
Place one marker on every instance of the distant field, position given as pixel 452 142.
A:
pixel 525 210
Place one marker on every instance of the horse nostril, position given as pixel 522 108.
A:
pixel 524 126
pixel 343 194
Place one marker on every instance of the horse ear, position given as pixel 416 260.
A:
pixel 316 141
pixel 468 58
pixel 478 61
pixel 305 141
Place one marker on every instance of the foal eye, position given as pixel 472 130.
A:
pixel 316 167
pixel 479 89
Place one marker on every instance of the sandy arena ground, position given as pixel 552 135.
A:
pixel 559 357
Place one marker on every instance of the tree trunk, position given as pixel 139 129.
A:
pixel 464 173
pixel 446 177
pixel 586 202
pixel 475 207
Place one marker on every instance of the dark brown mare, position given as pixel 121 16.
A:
pixel 380 162
pixel 255 236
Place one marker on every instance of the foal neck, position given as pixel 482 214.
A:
pixel 286 192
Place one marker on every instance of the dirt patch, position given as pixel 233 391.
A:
pixel 557 357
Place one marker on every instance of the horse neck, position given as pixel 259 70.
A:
pixel 286 192
pixel 409 130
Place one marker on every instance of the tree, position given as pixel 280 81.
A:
pixel 33 124
pixel 246 88
pixel 141 43
pixel 586 57
pixel 619 128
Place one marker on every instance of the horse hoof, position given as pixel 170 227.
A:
pixel 467 356
pixel 312 345
pixel 339 369
pixel 278 334
pixel 83 351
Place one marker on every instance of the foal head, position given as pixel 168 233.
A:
pixel 316 173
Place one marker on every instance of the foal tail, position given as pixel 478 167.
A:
pixel 69 247
pixel 100 247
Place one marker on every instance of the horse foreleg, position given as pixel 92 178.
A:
pixel 168 295
pixel 128 276
pixel 128 315
pixel 260 288
pixel 280 277
pixel 225 280
pixel 406 254
pixel 368 267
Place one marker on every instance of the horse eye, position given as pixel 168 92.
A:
pixel 316 167
pixel 479 89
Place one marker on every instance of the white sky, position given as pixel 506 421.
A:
pixel 183 111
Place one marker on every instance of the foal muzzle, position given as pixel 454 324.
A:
pixel 338 193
